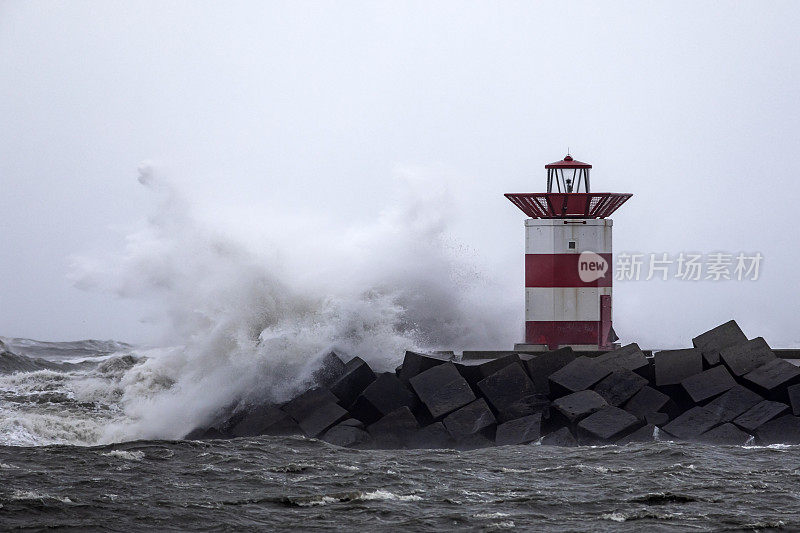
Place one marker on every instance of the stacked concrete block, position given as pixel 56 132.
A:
pixel 760 414
pixel 442 389
pixel 579 375
pixel 520 431
pixel 713 341
pixel 473 418
pixel 724 390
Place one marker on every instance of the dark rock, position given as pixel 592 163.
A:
pixel 629 357
pixel 673 366
pixel 324 416
pixel 265 420
pixel 725 434
pixel 692 423
pixel 416 363
pixel 714 340
pixel 475 371
pixel 519 431
pixel 505 387
pixel 470 419
pixel 656 419
pixel 541 367
pixel 442 389
pixel 747 356
pixel 607 425
pixel 579 404
pixel 331 368
pixel 527 405
pixel 647 400
pixel 773 378
pixel 578 375
pixel 475 441
pixel 760 414
pixel 206 434
pixel 733 403
pixel 386 394
pixel 783 430
pixel 305 404
pixel 793 393
pixel 643 434
pixel 355 378
pixel 395 430
pixel 432 436
pixel 346 436
pixel 352 422
pixel 561 437
pixel 620 386
pixel 708 384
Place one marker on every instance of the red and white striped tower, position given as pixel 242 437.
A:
pixel 568 261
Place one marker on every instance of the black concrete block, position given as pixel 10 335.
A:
pixel 747 356
pixel 578 375
pixel 331 368
pixel 432 436
pixel 475 371
pixel 708 383
pixel 519 431
pixel 346 436
pixel 579 404
pixel 395 430
pixel 620 386
pixel 442 389
pixel 560 437
pixel 647 400
pixel 388 393
pixel 351 422
pixel 607 425
pixel 304 404
pixel 265 420
pixel 714 340
pixel 416 363
pixel 323 417
pixel 725 434
pixel 643 434
pixel 355 378
pixel 773 378
pixel 673 366
pixel 692 423
pixel 505 387
pixel 793 393
pixel 469 419
pixel 656 419
pixel 733 403
pixel 475 441
pixel 628 357
pixel 760 414
pixel 543 365
pixel 524 406
pixel 783 430
pixel 205 434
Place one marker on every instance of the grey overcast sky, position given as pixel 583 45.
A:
pixel 308 110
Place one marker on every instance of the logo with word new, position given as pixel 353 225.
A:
pixel 591 267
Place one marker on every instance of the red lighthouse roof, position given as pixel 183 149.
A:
pixel 568 201
pixel 568 162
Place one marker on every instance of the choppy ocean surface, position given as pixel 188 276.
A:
pixel 54 475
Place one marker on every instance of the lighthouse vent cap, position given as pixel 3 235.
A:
pixel 568 162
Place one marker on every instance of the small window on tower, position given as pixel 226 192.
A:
pixel 571 245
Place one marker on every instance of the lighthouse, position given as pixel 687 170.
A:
pixel 568 260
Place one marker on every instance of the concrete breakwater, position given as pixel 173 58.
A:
pixel 725 390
